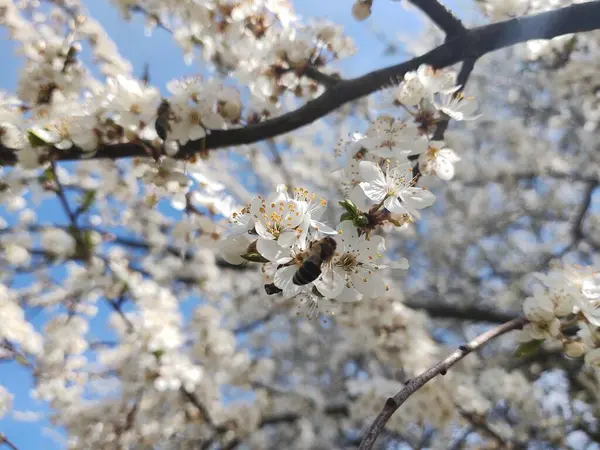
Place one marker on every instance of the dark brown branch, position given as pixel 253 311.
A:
pixel 479 422
pixel 441 16
pixel 126 242
pixel 199 406
pixel 528 175
pixel 460 440
pixel 474 313
pixel 577 232
pixel 60 192
pixel 473 44
pixel 393 403
pixel 5 440
pixel 320 77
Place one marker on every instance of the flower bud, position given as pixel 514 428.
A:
pixel 574 349
pixel 361 221
pixel 349 206
pixel 361 10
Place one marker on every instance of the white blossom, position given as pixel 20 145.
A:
pixel 438 160
pixel 394 188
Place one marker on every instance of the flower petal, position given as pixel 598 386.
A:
pixel 272 251
pixel 347 235
pixel 284 280
pixel 370 250
pixel 322 228
pixel 349 295
pixel 330 283
pixel 368 283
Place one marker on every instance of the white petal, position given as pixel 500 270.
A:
pixel 373 191
pixel 370 250
pixel 358 197
pixel 233 247
pixel 418 198
pixel 272 251
pixel 444 169
pixel 449 154
pixel 347 236
pixel 179 202
pixel 330 283
pixel 349 295
pixel 262 231
pixel 401 264
pixel 371 285
pixel 288 238
pixel 322 228
pixel 591 287
pixel 392 204
pixel 284 280
pixel 371 173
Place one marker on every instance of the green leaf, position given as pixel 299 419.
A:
pixel 254 257
pixel 87 201
pixel 349 206
pixel 346 216
pixel 528 348
pixel 35 140
pixel 21 360
pixel 46 176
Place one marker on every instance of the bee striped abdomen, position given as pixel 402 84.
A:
pixel 319 252
pixel 308 272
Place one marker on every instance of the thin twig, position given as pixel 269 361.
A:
pixel 4 440
pixel 577 231
pixel 460 440
pixel 279 161
pixel 60 192
pixel 393 403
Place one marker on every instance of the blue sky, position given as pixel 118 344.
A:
pixel 166 62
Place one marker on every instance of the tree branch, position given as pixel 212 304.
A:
pixel 474 43
pixel 4 440
pixel 441 16
pixel 577 231
pixel 393 403
pixel 473 313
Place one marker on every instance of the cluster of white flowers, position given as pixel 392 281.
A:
pixel 284 230
pixel 235 367
pixel 61 106
pixel 5 401
pixel 565 307
pixel 16 329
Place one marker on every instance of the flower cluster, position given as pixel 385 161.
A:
pixel 61 106
pixel 384 155
pixel 304 257
pixel 565 307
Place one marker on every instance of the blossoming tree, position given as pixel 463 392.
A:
pixel 222 270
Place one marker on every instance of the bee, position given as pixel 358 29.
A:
pixel 163 114
pixel 318 253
